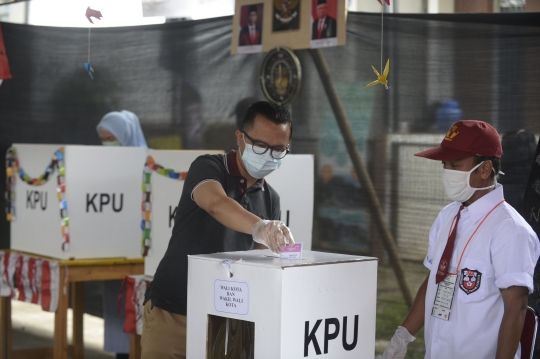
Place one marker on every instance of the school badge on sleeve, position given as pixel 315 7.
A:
pixel 470 280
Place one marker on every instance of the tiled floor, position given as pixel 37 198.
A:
pixel 33 328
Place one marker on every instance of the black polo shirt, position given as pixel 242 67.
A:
pixel 196 232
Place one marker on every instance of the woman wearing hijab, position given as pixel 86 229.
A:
pixel 117 129
pixel 121 129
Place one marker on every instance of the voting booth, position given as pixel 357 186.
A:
pixel 293 181
pixel 254 304
pixel 75 201
pixel 165 193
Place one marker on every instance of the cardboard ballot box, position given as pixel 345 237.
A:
pixel 256 305
pixel 293 182
pixel 165 195
pixel 83 202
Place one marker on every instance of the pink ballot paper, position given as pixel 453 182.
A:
pixel 292 252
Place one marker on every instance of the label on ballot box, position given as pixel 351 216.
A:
pixel 231 296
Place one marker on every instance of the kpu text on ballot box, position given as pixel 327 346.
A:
pixel 75 201
pixel 252 304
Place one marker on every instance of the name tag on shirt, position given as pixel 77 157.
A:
pixel 443 298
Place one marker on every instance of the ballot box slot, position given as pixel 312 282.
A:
pixel 229 338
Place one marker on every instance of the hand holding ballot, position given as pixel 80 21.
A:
pixel 273 234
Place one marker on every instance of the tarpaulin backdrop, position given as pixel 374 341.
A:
pixel 182 83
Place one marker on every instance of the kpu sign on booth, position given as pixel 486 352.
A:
pixel 86 204
pixel 293 181
pixel 165 195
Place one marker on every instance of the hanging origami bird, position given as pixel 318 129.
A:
pixel 97 14
pixel 381 79
pixel 93 13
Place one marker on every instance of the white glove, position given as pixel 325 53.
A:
pixel 397 348
pixel 273 234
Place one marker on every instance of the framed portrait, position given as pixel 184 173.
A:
pixel 250 29
pixel 325 21
pixel 286 15
pixel 296 24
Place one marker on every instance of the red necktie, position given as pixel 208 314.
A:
pixel 444 264
pixel 319 32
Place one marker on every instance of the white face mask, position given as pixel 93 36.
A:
pixel 259 166
pixel 456 184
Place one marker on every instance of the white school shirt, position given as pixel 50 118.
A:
pixel 502 253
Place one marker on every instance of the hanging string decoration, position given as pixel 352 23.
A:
pixel 57 163
pixel 381 79
pixel 146 207
pixel 89 14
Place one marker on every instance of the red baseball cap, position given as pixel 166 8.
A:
pixel 466 138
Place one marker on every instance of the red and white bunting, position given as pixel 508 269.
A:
pixel 34 280
pixel 135 288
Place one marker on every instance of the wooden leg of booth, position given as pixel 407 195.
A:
pixel 135 346
pixel 77 298
pixel 5 327
pixel 60 346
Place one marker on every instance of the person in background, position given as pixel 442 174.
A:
pixel 518 148
pixel 121 129
pixel 481 258
pixel 117 129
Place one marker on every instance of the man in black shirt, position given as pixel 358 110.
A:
pixel 226 205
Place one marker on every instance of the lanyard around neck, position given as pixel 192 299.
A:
pixel 472 235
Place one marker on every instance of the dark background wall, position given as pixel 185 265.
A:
pixel 182 83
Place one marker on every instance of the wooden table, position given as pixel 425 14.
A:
pixel 76 272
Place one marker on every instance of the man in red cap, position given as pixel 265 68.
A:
pixel 481 258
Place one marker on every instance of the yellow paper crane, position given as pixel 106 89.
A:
pixel 381 79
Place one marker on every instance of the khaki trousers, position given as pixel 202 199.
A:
pixel 164 334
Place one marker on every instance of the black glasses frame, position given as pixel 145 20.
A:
pixel 280 150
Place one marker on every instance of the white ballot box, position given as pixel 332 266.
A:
pixel 164 197
pixel 255 304
pixel 86 204
pixel 294 183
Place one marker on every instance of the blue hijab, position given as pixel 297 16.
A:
pixel 125 127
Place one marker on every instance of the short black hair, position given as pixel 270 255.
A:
pixel 241 109
pixel 269 110
pixel 252 8
pixel 494 160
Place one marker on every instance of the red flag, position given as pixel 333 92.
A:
pixel 386 1
pixel 4 65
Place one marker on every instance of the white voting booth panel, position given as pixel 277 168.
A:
pixel 322 306
pixel 166 194
pixel 103 194
pixel 294 183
